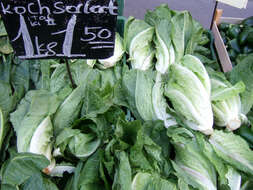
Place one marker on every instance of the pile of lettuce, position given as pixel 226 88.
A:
pixel 150 117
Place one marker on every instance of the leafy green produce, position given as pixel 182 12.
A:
pixel 243 72
pixel 137 39
pixel 246 132
pixel 133 121
pixel 165 54
pixel 191 165
pixel 233 150
pixel 226 101
pixel 185 34
pixel 189 84
pixel 234 178
pixel 22 167
pixel 2 128
pixel 83 140
pixel 159 102
pixel 5 46
pixel 143 181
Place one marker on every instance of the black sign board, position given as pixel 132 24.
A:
pixel 61 28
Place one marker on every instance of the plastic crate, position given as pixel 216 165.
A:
pixel 121 7
pixel 120 25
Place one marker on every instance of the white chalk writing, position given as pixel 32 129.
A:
pixel 60 7
pixel 67 44
pixel 45 49
pixel 71 35
pixel 95 32
pixel 23 31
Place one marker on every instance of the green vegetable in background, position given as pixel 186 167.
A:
pixel 247 50
pixel 233 31
pixel 246 36
pixel 238 38
pixel 233 44
pixel 232 54
pixel 248 21
pixel 223 26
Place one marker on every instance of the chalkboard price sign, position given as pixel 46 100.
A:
pixel 60 28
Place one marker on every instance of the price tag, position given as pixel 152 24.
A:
pixel 60 28
pixel 236 3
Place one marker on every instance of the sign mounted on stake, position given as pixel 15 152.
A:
pixel 236 3
pixel 60 28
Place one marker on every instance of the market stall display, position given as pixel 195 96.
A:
pixel 153 116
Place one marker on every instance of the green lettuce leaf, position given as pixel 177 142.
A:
pixel 186 90
pixel 159 102
pixel 234 179
pixel 138 36
pixel 21 167
pixel 160 19
pixel 226 103
pixel 185 34
pixel 81 145
pixel 243 72
pixel 5 68
pixel 233 150
pixel 98 95
pixel 5 46
pixel 129 90
pixel 123 175
pixel 143 95
pixel 160 13
pixel 87 175
pixel 144 181
pixel 190 163
pixel 211 155
pixel 90 174
pixel 7 100
pixel 84 137
pixel 38 182
pixel 69 110
pixel 32 110
pixel 2 128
